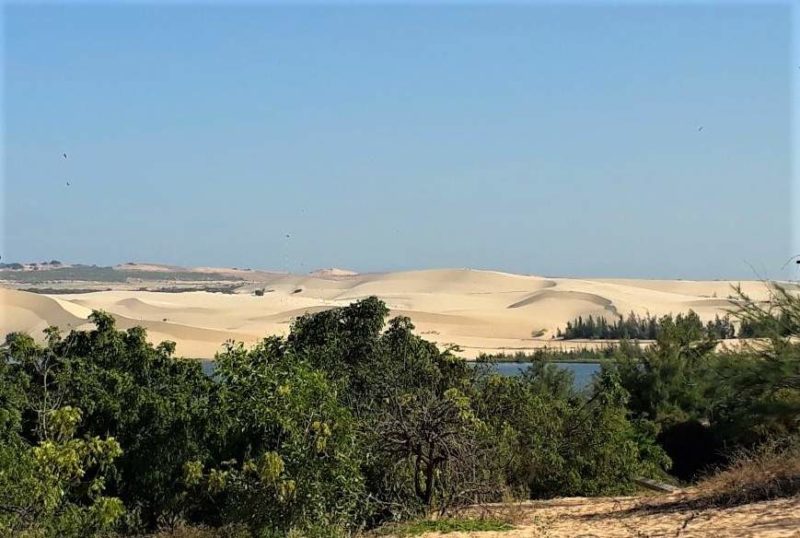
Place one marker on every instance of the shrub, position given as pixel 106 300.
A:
pixel 56 486
pixel 294 462
pixel 767 472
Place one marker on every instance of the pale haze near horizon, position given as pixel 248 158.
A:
pixel 628 141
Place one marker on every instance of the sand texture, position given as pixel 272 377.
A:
pixel 480 311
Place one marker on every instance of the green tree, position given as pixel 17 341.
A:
pixel 757 391
pixel 52 482
pixel 294 455
pixel 159 408
pixel 56 488
pixel 566 443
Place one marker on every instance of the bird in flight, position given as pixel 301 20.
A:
pixel 64 155
pixel 700 128
pixel 67 183
pixel 796 259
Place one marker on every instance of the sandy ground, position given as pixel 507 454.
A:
pixel 626 517
pixel 480 311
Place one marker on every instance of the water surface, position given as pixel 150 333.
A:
pixel 582 372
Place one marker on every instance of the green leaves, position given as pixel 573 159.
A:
pixel 294 459
pixel 62 422
pixel 157 407
pixel 345 424
pixel 270 467
pixel 56 487
pixel 559 443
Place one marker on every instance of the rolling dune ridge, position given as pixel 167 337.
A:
pixel 481 311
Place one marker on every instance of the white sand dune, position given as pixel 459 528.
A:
pixel 481 311
pixel 332 272
pixel 32 313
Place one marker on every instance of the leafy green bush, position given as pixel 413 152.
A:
pixel 563 443
pixel 157 407
pixel 56 486
pixel 708 404
pixel 294 460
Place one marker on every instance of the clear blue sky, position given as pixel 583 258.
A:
pixel 528 138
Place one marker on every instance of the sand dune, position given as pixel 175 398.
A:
pixel 32 313
pixel 332 272
pixel 481 311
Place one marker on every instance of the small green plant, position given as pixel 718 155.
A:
pixel 444 526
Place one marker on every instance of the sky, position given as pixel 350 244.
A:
pixel 617 140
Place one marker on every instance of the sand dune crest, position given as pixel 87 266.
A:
pixel 482 311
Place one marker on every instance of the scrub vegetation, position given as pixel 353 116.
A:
pixel 353 422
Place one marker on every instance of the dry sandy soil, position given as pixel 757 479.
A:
pixel 480 311
pixel 637 517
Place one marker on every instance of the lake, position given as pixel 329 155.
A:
pixel 582 371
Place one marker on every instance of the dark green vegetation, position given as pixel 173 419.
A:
pixel 352 422
pixel 93 273
pixel 707 405
pixel 546 354
pixel 227 289
pixel 647 327
pixel 63 291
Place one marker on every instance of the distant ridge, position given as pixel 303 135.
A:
pixel 332 271
pixel 135 266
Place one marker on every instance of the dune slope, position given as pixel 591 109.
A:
pixel 481 311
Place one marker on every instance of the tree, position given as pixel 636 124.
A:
pixel 562 443
pixel 438 446
pixel 53 482
pixel 294 462
pixel 757 391
pixel 647 327
pixel 342 342
pixel 421 449
pixel 160 409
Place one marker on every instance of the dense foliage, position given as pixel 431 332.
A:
pixel 646 327
pixel 551 354
pixel 38 274
pixel 351 421
pixel 707 405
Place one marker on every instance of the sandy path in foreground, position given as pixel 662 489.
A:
pixel 618 518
